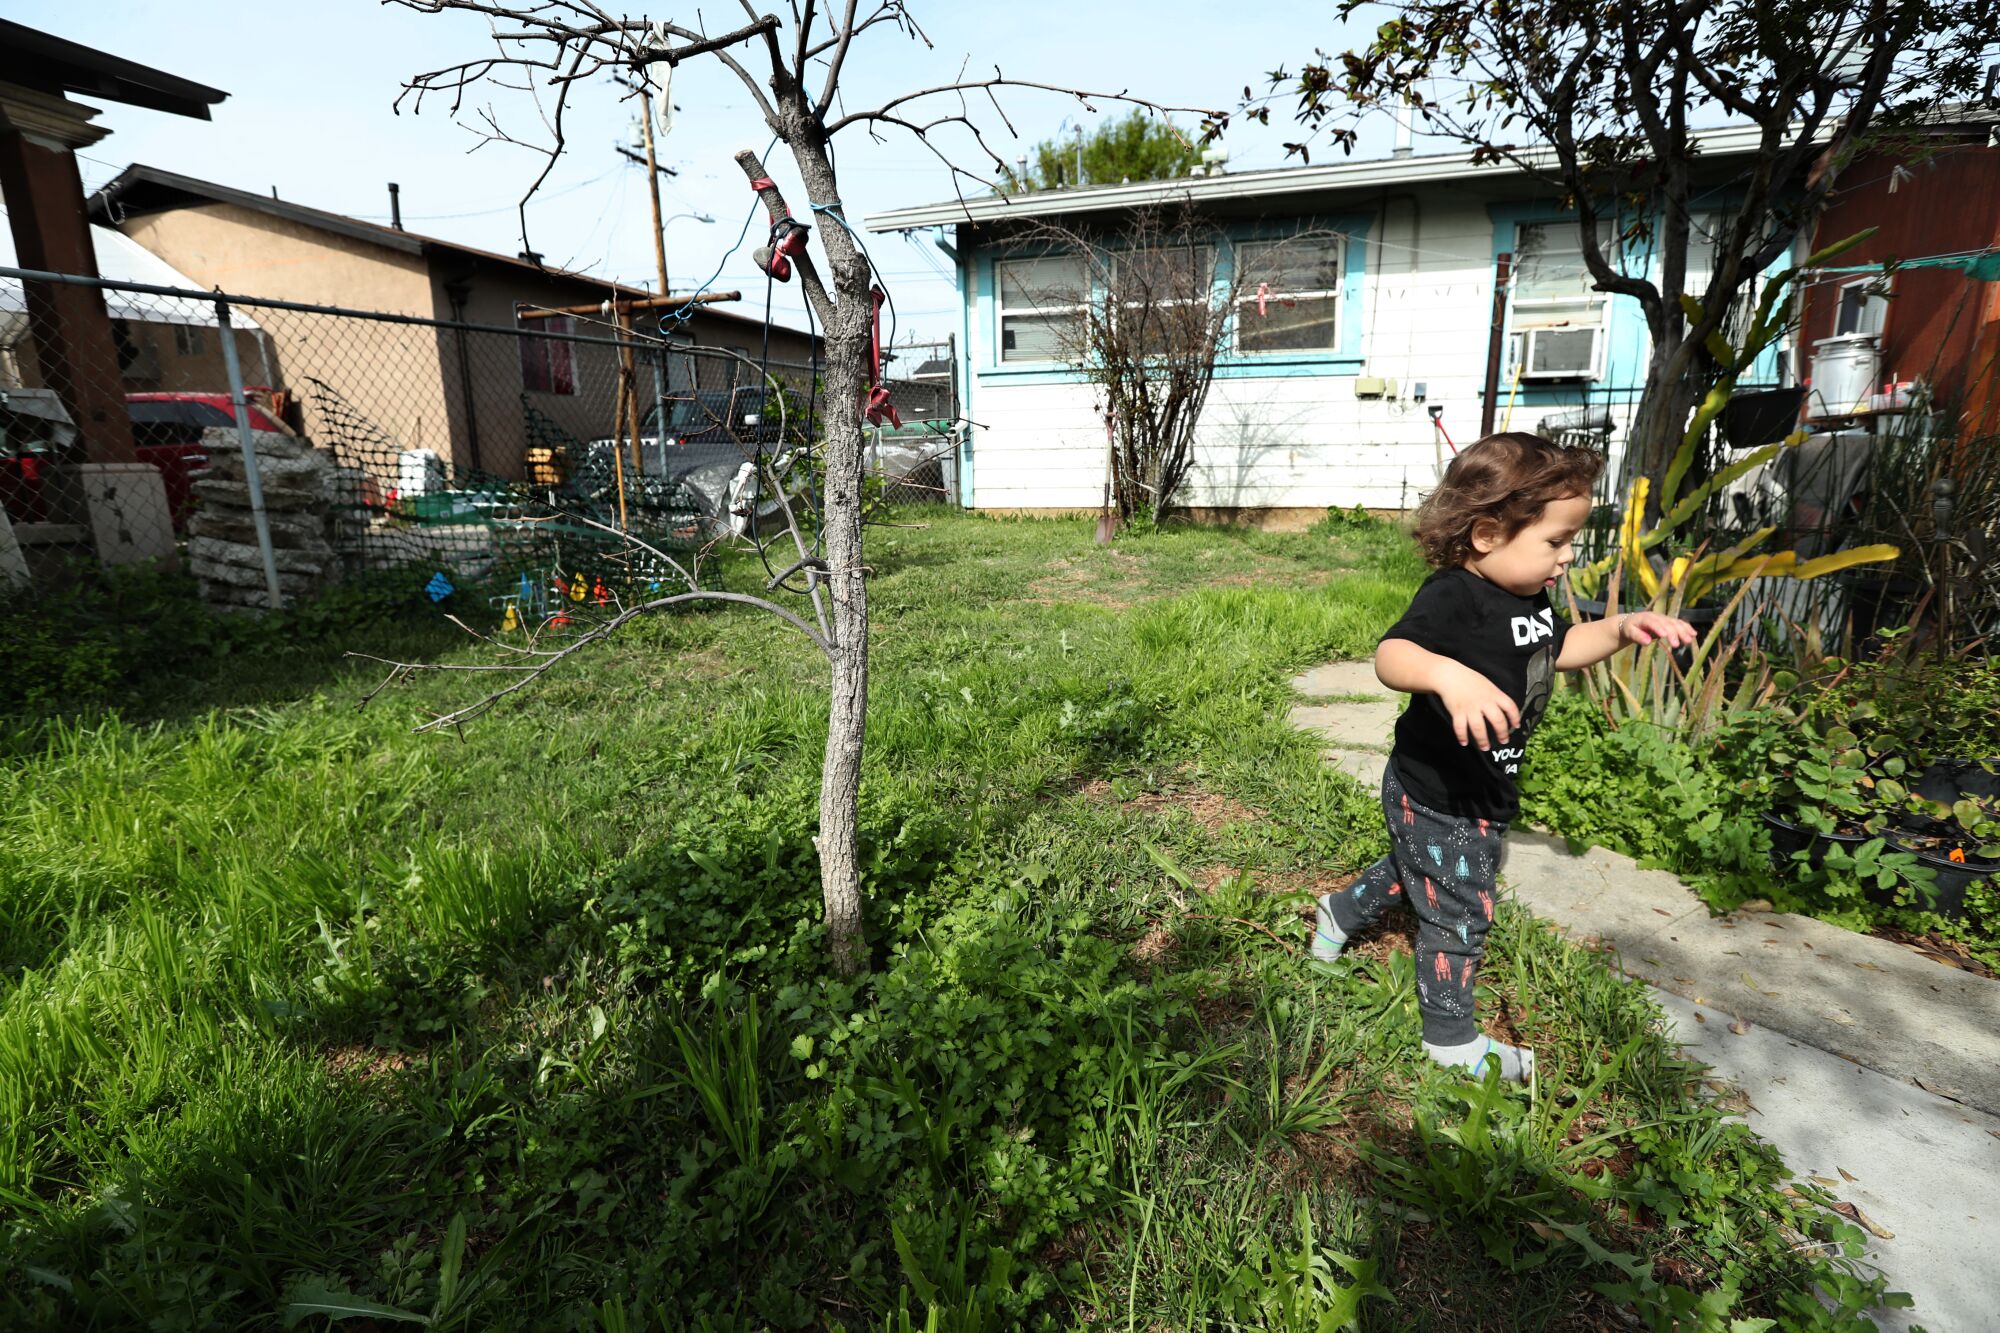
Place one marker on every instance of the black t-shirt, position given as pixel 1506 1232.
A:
pixel 1513 642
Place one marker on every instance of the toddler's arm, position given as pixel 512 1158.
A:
pixel 1481 712
pixel 1593 641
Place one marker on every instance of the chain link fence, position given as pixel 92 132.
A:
pixel 918 459
pixel 277 448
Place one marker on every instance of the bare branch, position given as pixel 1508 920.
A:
pixel 843 37
pixel 999 80
pixel 527 674
pixel 802 23
pixel 775 205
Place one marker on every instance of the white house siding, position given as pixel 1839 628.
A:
pixel 1289 441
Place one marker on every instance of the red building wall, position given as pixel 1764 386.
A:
pixel 1940 323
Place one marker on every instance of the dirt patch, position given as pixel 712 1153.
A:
pixel 360 1062
pixel 1155 947
pixel 1330 1155
pixel 1071 581
pixel 1208 877
pixel 1263 577
pixel 1223 1012
pixel 1315 883
pixel 706 664
pixel 1212 811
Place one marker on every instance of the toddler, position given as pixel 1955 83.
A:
pixel 1477 653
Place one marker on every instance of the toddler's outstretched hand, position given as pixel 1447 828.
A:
pixel 1644 627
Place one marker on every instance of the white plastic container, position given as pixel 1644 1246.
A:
pixel 1844 371
pixel 419 472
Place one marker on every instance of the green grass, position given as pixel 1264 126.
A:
pixel 301 1013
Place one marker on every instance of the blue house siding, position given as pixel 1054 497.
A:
pixel 1628 343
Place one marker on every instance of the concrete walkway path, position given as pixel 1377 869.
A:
pixel 1855 1054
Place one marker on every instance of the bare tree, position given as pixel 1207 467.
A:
pixel 793 73
pixel 1607 104
pixel 1143 311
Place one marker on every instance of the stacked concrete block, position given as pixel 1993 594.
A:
pixel 298 484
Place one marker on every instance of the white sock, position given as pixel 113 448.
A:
pixel 1328 938
pixel 1517 1063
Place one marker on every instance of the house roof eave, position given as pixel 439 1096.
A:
pixel 142 188
pixel 1276 182
pixel 36 59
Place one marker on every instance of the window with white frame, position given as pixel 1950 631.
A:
pixel 1288 295
pixel 1037 299
pixel 1863 308
pixel 1558 321
pixel 1163 295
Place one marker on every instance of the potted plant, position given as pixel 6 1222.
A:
pixel 1950 822
pixel 1833 807
pixel 1818 800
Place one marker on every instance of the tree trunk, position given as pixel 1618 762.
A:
pixel 1657 426
pixel 847 705
pixel 847 341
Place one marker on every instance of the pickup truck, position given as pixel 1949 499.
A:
pixel 166 432
pixel 709 439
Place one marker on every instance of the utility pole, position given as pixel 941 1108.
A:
pixel 652 180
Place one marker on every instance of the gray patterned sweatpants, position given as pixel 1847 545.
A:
pixel 1444 867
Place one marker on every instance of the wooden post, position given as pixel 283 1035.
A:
pixel 1494 341
pixel 68 324
pixel 618 421
pixel 629 389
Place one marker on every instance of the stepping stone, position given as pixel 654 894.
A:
pixel 1364 766
pixel 1360 732
pixel 1350 726
pixel 1341 678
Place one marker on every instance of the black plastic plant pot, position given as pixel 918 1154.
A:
pixel 1953 878
pixel 1951 780
pixel 1789 839
pixel 1948 782
pixel 1753 420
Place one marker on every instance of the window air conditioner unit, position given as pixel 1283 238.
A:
pixel 1560 353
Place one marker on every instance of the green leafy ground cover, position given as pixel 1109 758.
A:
pixel 1825 748
pixel 306 1019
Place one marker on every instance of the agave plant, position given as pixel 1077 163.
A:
pixel 1696 697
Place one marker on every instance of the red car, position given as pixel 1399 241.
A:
pixel 166 432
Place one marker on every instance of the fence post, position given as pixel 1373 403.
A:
pixel 250 477
pixel 660 404
pixel 961 429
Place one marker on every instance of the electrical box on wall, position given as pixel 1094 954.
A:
pixel 1419 391
pixel 1374 386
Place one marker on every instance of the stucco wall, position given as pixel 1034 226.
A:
pixel 370 389
pixel 367 388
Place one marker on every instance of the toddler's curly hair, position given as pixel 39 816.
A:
pixel 1506 479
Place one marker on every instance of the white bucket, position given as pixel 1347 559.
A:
pixel 1844 370
pixel 419 472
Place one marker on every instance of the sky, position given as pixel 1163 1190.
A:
pixel 312 84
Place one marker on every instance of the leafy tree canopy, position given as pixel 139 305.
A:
pixel 1140 146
